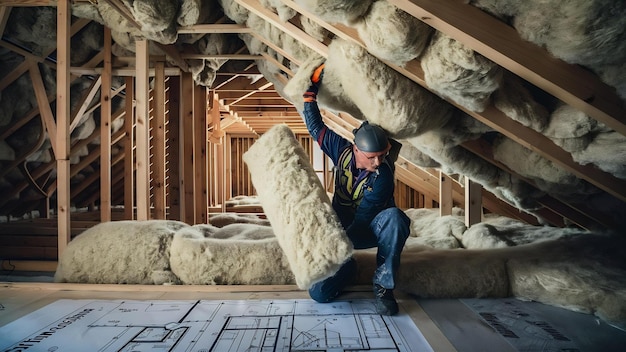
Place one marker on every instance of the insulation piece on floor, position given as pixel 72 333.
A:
pixel 297 206
pixel 121 252
pixel 236 254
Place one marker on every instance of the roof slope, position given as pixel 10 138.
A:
pixel 526 99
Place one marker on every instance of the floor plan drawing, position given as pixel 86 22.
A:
pixel 208 325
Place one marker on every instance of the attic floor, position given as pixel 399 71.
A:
pixel 485 325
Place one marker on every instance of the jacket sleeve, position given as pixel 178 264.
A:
pixel 330 142
pixel 313 120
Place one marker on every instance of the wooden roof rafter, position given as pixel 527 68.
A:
pixel 474 28
pixel 494 118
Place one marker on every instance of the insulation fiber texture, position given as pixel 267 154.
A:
pixel 297 206
pixel 375 89
pixel 236 254
pixel 121 252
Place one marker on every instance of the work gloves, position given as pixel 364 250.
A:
pixel 316 80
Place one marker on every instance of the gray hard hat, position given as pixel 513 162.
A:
pixel 370 138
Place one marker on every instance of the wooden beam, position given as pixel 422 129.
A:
pixel 129 150
pixel 542 145
pixel 244 83
pixel 187 157
pixel 502 44
pixel 200 126
pixel 28 3
pixel 173 155
pixel 215 28
pixel 158 143
pixel 215 130
pixel 46 112
pixel 445 194
pixel 222 56
pixel 27 54
pixel 62 142
pixel 122 72
pixel 228 170
pixel 5 11
pixel 473 202
pixel 23 67
pixel 105 130
pixel 255 7
pixel 88 95
pixel 15 74
pixel 115 93
pixel 278 64
pixel 221 173
pixel 498 206
pixel 142 127
pixel 578 214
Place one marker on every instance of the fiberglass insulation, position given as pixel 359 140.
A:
pixel 297 206
pixel 498 257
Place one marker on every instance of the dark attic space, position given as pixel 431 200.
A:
pixel 162 145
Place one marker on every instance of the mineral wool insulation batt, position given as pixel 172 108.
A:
pixel 297 206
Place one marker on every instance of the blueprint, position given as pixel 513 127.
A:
pixel 211 325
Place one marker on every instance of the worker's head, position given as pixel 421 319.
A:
pixel 371 146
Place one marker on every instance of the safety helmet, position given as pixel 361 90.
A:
pixel 370 138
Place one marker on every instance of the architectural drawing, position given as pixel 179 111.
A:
pixel 203 326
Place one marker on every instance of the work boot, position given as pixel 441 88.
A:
pixel 385 301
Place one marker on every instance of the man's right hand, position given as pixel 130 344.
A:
pixel 316 79
pixel 318 74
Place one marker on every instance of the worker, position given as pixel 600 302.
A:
pixel 363 200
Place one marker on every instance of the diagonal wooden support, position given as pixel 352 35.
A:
pixel 88 95
pixel 44 107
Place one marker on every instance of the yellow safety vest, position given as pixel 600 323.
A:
pixel 347 193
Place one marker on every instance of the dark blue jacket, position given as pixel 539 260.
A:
pixel 378 188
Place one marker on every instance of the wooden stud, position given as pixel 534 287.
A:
pixel 62 142
pixel 129 150
pixel 105 131
pixel 445 194
pixel 187 151
pixel 158 142
pixel 142 97
pixel 200 151
pixel 473 202
pixel 173 155
pixel 221 177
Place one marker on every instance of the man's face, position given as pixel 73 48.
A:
pixel 369 160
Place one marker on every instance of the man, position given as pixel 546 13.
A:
pixel 363 200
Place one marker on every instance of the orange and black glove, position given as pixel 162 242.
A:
pixel 316 80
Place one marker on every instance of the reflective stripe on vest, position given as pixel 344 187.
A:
pixel 349 194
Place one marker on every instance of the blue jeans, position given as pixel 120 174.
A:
pixel 388 231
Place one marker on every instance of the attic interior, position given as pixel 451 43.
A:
pixel 511 116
